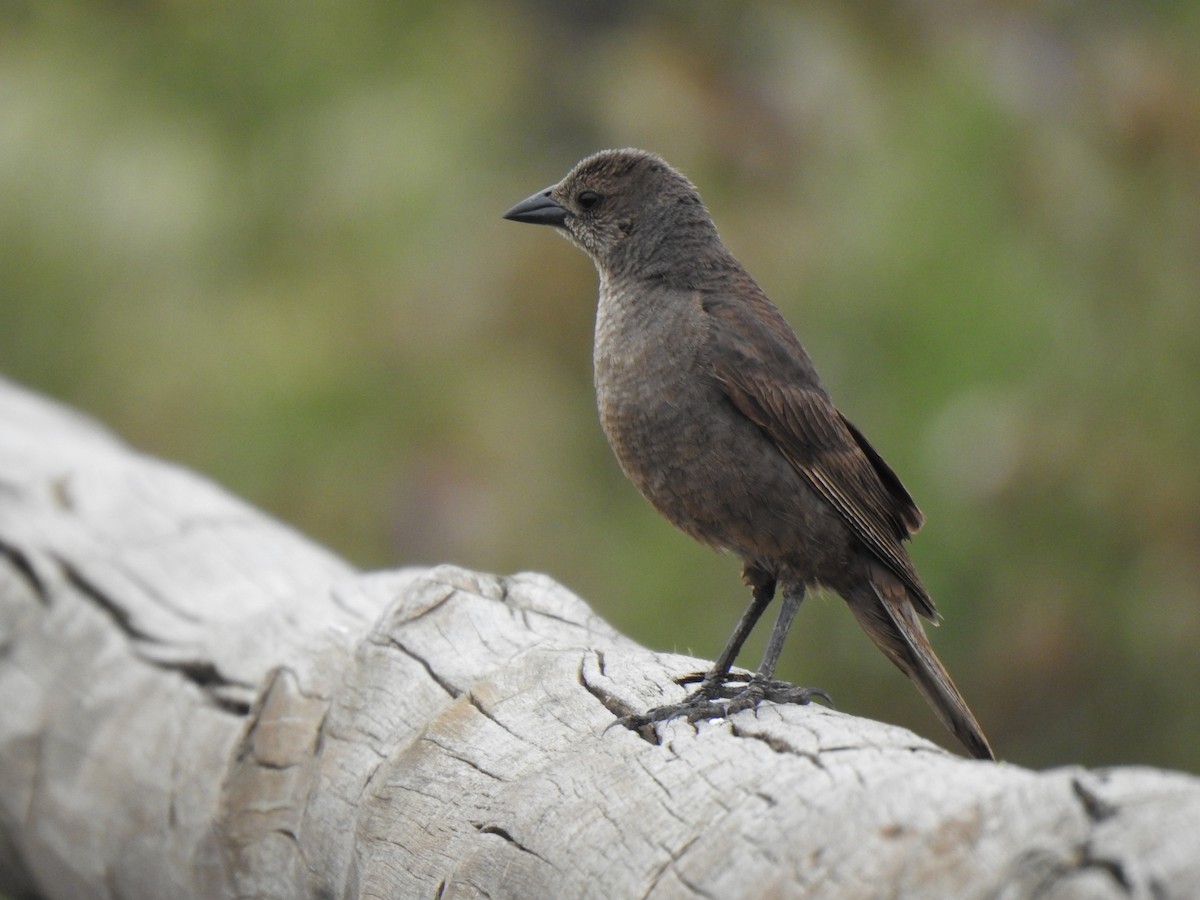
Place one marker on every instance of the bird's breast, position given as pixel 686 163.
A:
pixel 705 466
pixel 647 375
pixel 657 402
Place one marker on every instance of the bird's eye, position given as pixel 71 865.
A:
pixel 588 200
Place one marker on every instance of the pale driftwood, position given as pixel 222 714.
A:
pixel 195 701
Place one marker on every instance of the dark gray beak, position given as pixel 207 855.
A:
pixel 538 210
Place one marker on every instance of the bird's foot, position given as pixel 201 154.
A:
pixel 742 692
pixel 721 696
pixel 724 686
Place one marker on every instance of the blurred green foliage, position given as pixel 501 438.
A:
pixel 263 239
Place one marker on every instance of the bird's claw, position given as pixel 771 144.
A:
pixel 719 697
pixel 754 690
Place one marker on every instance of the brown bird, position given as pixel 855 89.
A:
pixel 716 414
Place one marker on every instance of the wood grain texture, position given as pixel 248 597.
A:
pixel 196 701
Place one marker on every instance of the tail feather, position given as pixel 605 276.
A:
pixel 887 614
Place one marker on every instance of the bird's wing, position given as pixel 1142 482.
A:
pixel 759 362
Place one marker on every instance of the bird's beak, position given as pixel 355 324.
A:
pixel 538 210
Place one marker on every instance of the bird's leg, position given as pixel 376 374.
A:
pixel 699 704
pixel 792 598
pixel 748 692
pixel 762 587
pixel 745 692
pixel 761 687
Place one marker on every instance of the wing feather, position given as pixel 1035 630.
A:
pixel 765 372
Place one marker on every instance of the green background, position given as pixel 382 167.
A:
pixel 264 240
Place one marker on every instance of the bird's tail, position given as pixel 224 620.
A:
pixel 886 613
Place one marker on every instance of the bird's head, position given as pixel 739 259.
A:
pixel 624 208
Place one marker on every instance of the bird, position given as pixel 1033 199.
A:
pixel 716 414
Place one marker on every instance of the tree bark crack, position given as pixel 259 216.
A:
pixel 670 864
pixel 1114 868
pixel 1098 810
pixel 1094 806
pixel 226 694
pixel 777 744
pixel 440 601
pixel 108 605
pixel 437 679
pixel 505 835
pixel 1057 871
pixel 474 700
pixel 465 760
pixel 20 561
pixel 623 711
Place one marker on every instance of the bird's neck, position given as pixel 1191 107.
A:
pixel 689 255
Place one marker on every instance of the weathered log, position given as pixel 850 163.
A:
pixel 196 701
